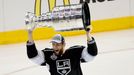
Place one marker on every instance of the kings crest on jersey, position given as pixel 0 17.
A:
pixel 63 65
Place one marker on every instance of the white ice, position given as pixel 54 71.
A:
pixel 116 55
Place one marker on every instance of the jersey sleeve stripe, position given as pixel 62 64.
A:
pixel 39 59
pixel 86 56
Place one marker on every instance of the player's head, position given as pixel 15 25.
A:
pixel 58 44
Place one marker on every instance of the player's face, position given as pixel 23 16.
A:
pixel 58 48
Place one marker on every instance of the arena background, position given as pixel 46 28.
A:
pixel 106 15
pixel 113 30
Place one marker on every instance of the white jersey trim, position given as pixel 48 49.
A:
pixel 48 67
pixel 39 59
pixel 86 56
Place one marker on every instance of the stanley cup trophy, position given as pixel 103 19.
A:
pixel 62 18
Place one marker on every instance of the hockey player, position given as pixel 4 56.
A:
pixel 59 60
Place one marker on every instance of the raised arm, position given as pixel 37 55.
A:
pixel 32 53
pixel 91 44
pixel 91 50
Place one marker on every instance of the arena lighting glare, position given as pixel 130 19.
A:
pixel 62 18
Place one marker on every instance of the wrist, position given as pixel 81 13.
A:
pixel 91 40
pixel 89 37
pixel 30 42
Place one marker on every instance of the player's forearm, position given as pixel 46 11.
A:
pixel 31 50
pixel 34 55
pixel 92 47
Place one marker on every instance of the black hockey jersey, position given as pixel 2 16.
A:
pixel 66 64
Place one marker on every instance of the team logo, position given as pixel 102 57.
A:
pixel 63 66
pixel 53 57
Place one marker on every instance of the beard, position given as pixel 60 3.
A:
pixel 58 52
